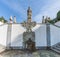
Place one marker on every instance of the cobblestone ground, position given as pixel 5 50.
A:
pixel 41 53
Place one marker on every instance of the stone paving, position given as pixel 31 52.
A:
pixel 41 53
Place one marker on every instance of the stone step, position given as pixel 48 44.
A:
pixel 2 48
pixel 56 47
pixel 56 50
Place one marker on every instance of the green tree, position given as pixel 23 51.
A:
pixel 2 18
pixel 58 15
pixel 56 19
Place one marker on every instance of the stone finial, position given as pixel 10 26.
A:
pixel 29 24
pixel 43 20
pixel 11 19
pixel 46 17
pixel 2 21
pixel 29 9
pixel 14 19
pixel 29 15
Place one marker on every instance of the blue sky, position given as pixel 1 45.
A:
pixel 39 8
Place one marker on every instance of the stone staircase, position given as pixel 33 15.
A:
pixel 56 47
pixel 19 53
pixel 2 48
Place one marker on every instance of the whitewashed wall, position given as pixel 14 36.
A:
pixel 1 23
pixel 40 35
pixel 57 23
pixel 55 34
pixel 3 34
pixel 17 35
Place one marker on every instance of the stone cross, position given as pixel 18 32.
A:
pixel 29 24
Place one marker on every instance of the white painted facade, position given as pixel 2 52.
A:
pixel 54 34
pixel 40 35
pixel 17 35
pixel 1 23
pixel 3 34
pixel 57 23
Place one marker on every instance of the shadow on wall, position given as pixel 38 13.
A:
pixel 55 34
pixel 17 39
pixel 18 42
pixel 40 36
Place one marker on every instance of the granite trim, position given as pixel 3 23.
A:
pixel 8 36
pixel 48 35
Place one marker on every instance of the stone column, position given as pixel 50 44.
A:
pixel 8 42
pixel 48 35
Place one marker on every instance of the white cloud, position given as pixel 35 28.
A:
pixel 16 6
pixel 48 10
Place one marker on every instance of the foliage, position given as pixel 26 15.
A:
pixel 2 18
pixel 56 19
pixel 58 15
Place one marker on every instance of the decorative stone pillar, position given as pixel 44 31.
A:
pixel 29 34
